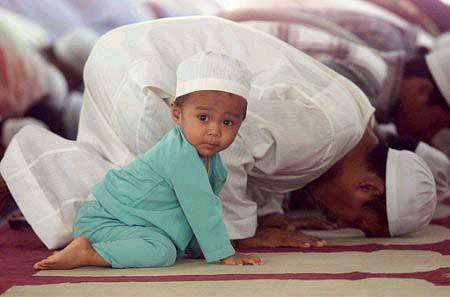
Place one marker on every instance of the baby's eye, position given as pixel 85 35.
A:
pixel 228 123
pixel 203 117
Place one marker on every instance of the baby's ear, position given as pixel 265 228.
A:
pixel 175 112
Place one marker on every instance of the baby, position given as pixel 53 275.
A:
pixel 165 203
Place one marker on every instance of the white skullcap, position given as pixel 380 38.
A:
pixel 213 71
pixel 410 192
pixel 73 48
pixel 439 63
pixel 439 165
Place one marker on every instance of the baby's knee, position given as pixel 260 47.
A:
pixel 157 254
pixel 167 256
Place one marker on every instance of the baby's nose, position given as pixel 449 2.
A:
pixel 214 130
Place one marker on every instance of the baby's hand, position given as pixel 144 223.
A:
pixel 242 259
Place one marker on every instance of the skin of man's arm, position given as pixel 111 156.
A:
pixel 275 237
pixel 279 230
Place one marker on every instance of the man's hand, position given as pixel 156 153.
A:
pixel 289 223
pixel 274 237
pixel 242 259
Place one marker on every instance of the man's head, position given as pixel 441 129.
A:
pixel 421 109
pixel 211 100
pixel 353 191
pixel 372 186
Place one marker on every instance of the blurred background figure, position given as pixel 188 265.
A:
pixel 62 16
pixel 59 36
pixel 43 48
pixel 380 51
pixel 396 53
pixel 37 82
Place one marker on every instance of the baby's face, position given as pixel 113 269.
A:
pixel 210 120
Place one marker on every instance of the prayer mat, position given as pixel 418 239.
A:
pixel 351 265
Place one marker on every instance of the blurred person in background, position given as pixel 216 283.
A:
pixel 38 85
pixel 431 15
pixel 43 46
pixel 62 16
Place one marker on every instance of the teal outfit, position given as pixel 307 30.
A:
pixel 164 202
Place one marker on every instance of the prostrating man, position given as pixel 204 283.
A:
pixel 305 123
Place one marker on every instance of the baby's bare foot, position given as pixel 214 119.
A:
pixel 78 253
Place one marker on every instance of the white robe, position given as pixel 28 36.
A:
pixel 302 118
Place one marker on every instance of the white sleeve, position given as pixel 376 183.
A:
pixel 49 177
pixel 439 165
pixel 239 209
pixel 268 202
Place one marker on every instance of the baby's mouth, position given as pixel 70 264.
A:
pixel 210 145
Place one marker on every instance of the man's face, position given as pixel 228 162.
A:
pixel 210 120
pixel 348 199
pixel 415 116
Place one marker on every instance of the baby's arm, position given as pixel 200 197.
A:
pixel 202 209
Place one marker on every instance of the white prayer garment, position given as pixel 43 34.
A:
pixel 302 118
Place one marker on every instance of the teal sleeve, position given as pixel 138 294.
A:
pixel 201 207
